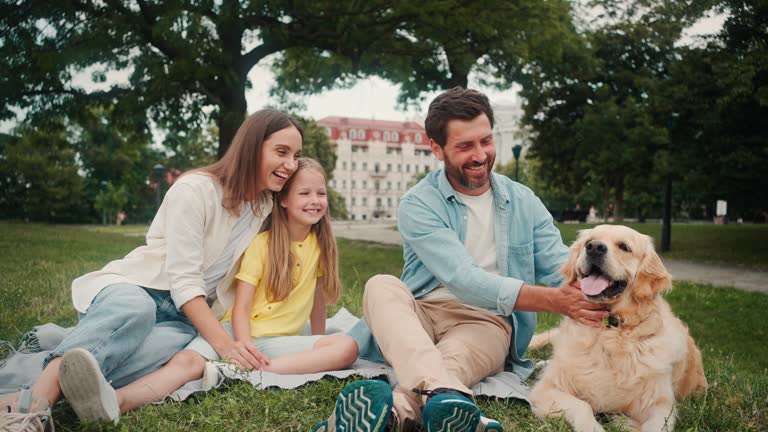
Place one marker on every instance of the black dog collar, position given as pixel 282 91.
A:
pixel 612 321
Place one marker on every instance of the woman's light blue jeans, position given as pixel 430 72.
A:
pixel 132 331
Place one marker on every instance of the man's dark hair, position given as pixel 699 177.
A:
pixel 455 104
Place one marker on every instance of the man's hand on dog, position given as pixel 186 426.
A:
pixel 571 302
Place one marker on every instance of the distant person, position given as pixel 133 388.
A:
pixel 474 244
pixel 137 312
pixel 121 216
pixel 288 275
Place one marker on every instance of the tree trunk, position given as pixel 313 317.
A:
pixel 232 112
pixel 618 210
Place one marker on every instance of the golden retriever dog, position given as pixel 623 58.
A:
pixel 640 362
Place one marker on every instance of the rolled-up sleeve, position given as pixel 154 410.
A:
pixel 185 228
pixel 438 247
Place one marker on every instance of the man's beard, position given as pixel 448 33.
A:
pixel 457 173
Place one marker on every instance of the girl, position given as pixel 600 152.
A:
pixel 288 274
pixel 137 312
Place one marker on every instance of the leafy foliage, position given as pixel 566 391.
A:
pixel 639 108
pixel 39 177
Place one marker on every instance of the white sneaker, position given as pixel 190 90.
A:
pixel 85 388
pixel 30 416
pixel 210 376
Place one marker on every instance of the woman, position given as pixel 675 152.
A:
pixel 137 312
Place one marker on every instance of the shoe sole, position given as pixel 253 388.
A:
pixel 364 406
pixel 85 388
pixel 452 416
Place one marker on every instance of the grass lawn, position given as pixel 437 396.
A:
pixel 41 260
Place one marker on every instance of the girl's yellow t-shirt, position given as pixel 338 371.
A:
pixel 286 317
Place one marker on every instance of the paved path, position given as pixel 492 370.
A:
pixel 718 275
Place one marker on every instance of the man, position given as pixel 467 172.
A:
pixel 475 243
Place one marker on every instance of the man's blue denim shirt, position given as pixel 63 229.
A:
pixel 432 223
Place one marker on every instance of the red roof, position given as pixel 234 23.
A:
pixel 370 123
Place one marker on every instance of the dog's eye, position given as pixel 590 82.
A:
pixel 624 247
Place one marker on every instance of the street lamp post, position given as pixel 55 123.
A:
pixel 516 153
pixel 158 170
pixel 104 184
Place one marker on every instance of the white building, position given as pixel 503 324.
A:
pixel 506 131
pixel 377 161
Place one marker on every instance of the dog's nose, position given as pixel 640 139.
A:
pixel 596 248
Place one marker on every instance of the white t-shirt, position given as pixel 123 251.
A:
pixel 224 262
pixel 480 241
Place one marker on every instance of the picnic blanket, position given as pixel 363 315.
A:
pixel 24 364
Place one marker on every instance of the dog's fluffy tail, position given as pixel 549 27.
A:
pixel 542 339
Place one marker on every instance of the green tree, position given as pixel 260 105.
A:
pixel 717 96
pixel 111 200
pixel 40 180
pixel 602 124
pixel 113 146
pixel 439 44
pixel 184 56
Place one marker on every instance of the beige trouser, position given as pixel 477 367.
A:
pixel 432 344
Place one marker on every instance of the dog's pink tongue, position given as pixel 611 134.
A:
pixel 594 285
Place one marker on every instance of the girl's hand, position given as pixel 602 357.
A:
pixel 244 355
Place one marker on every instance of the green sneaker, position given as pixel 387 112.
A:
pixel 449 410
pixel 362 406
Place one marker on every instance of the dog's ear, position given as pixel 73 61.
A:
pixel 569 268
pixel 652 277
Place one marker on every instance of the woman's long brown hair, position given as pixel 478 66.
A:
pixel 238 170
pixel 279 277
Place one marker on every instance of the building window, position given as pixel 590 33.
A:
pixel 426 168
pixel 365 201
pixel 417 137
pixel 407 168
pixel 389 167
pixel 398 185
pixel 365 216
pixel 376 185
pixel 361 134
pixel 376 135
pixel 354 166
pixel 344 165
pixel 395 137
pixel 389 185
pixel 365 166
pixel 399 168
pixel 343 184
pixel 353 201
pixel 365 185
pixel 378 202
pixel 353 186
pixel 376 168
pixel 389 201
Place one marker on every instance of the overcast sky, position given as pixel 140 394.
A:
pixel 369 98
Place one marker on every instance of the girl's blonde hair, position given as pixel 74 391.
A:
pixel 238 170
pixel 279 279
